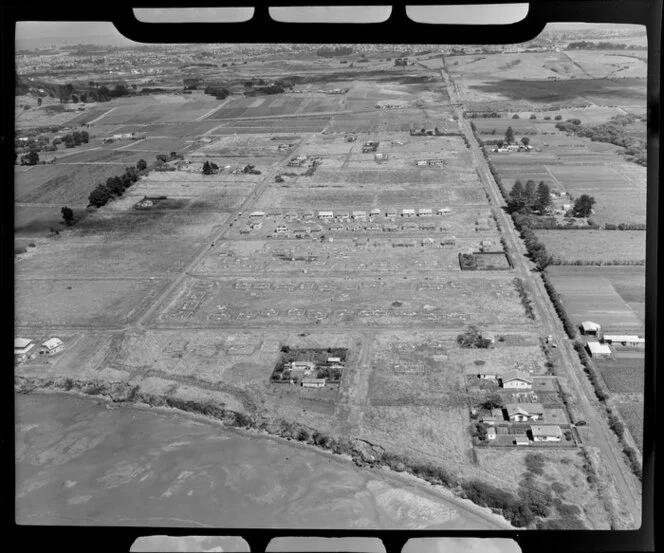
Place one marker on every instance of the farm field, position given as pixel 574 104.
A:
pixel 622 375
pixel 631 410
pixel 568 246
pixel 609 296
pixel 280 104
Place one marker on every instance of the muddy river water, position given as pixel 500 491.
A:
pixel 81 461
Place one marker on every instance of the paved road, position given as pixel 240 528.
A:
pixel 600 435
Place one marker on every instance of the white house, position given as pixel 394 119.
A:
pixel 546 433
pixel 22 347
pixel 343 215
pixel 424 212
pixel 257 214
pixel 408 212
pixel 390 212
pixel 313 382
pixel 444 211
pixel 375 212
pixel 325 215
pixel 52 346
pixel 520 412
pixel 516 380
pixel 598 350
pixel 359 215
pixel 334 359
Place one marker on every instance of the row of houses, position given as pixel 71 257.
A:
pixel 24 348
pixel 375 212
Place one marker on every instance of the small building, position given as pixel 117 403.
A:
pixel 421 162
pixel 336 228
pixel 428 242
pixel 492 417
pixel 375 212
pixel 257 225
pixel 546 433
pixel 334 359
pixel 325 215
pixel 308 214
pixel 425 212
pixel 301 232
pixel 590 328
pixel 22 347
pixel 390 212
pixel 408 212
pixel 52 346
pixel 520 439
pixel 444 211
pixel 357 215
pixel 291 215
pixel 448 241
pixel 516 380
pixel 520 412
pixel 380 157
pixel 428 226
pixel 257 214
pixel 343 215
pixel 302 365
pixel 490 336
pixel 313 382
pixel 281 229
pixel 598 351
pixel 629 340
pixel 491 433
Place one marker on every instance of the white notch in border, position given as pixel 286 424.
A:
pixel 467 14
pixel 331 14
pixel 193 15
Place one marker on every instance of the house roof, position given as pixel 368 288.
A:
pixel 623 338
pixel 524 409
pixel 20 343
pixel 314 380
pixel 52 343
pixel 546 430
pixel 597 348
pixel 517 375
pixel 590 326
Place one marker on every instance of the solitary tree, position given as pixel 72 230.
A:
pixel 583 206
pixel 39 101
pixel 141 165
pixel 516 116
pixel 31 158
pixel 533 116
pixel 509 135
pixel 67 215
pixel 525 141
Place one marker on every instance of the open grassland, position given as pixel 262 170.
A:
pixel 594 245
pixel 75 301
pixel 502 358
pixel 333 301
pixel 604 295
pixel 622 375
pixel 60 183
pixel 601 64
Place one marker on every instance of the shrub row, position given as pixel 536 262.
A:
pixel 590 370
pixel 599 263
pixel 525 300
pixel 114 186
pixel 570 329
pixel 625 226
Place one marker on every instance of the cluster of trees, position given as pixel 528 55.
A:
pixel 73 139
pixel 219 92
pixel 115 186
pixel 613 132
pixel 330 52
pixel 31 158
pixel 472 338
pixel 92 93
pixel 400 62
pixel 532 197
pixel 210 168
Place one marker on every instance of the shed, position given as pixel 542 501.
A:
pixel 334 359
pixel 624 340
pixel 22 347
pixel 491 433
pixel 520 439
pixel 257 214
pixel 591 328
pixel 598 350
pixel 313 382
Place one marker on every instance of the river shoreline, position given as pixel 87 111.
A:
pixel 229 423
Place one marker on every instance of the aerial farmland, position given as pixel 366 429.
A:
pixel 315 250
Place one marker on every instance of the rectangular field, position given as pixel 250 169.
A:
pixel 596 294
pixel 623 375
pixel 594 245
